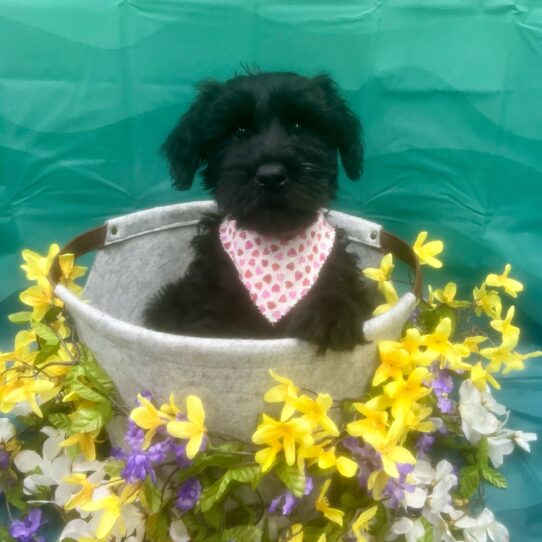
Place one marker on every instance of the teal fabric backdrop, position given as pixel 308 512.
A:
pixel 449 92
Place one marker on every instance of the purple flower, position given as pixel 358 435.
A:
pixel 289 502
pixel 4 460
pixel 188 495
pixel 134 436
pixel 396 487
pixel 366 457
pixel 309 486
pixel 442 385
pixel 27 529
pixel 424 444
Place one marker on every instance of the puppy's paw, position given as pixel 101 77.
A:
pixel 337 326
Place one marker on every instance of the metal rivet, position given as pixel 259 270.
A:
pixel 373 235
pixel 114 230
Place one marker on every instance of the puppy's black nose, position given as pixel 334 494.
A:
pixel 271 175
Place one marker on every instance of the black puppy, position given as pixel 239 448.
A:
pixel 268 143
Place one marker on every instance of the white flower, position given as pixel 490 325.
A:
pixel 503 441
pixel 7 430
pixel 484 526
pixel 178 532
pixel 522 439
pixel 51 468
pixel 476 411
pixel 413 530
pixel 78 528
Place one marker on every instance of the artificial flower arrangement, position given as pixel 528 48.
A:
pixel 408 461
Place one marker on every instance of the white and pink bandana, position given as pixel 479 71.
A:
pixel 278 272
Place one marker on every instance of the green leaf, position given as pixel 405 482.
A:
pixel 89 419
pixel 292 477
pixel 428 533
pixel 243 533
pixel 214 517
pixel 20 317
pixel 114 467
pixel 87 393
pixel 245 474
pixel 60 421
pixel 157 527
pixel 494 477
pixel 97 377
pixel 483 452
pixel 469 480
pixel 4 534
pixel 13 494
pixel 152 496
pixel 45 334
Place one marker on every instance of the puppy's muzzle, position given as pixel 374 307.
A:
pixel 271 175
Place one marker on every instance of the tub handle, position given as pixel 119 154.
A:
pixel 96 238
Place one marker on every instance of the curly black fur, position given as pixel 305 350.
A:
pixel 268 144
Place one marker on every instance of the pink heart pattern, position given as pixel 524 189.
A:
pixel 287 277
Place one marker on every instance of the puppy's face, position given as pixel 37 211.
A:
pixel 269 144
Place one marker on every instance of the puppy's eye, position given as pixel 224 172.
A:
pixel 241 132
pixel 297 128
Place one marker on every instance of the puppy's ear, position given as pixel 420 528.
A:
pixel 346 125
pixel 183 148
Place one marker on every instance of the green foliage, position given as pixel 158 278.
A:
pixel 494 477
pixel 293 478
pixel 243 533
pixel 469 480
pixel 22 317
pixel 244 474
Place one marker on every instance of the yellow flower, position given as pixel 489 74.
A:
pixel 363 522
pixel 315 411
pixel 376 484
pixel 266 457
pixel 26 390
pixel 391 296
pixel 480 377
pixel 447 296
pixel 38 266
pixel 40 298
pixel 194 429
pixel 393 361
pixel 426 253
pixel 390 451
pixel 416 419
pixel 84 496
pixel 148 417
pixel 295 533
pixel 510 286
pixel 375 421
pixel 501 354
pixel 412 341
pixel 431 297
pixel 328 458
pixel 112 507
pixel 515 363
pixel 170 409
pixel 488 302
pixel 280 435
pixel 70 272
pixel 505 326
pixel 85 442
pixel 382 273
pixel 404 393
pixel 286 392
pixel 450 354
pixel 24 352
pixel 471 343
pixel 322 505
